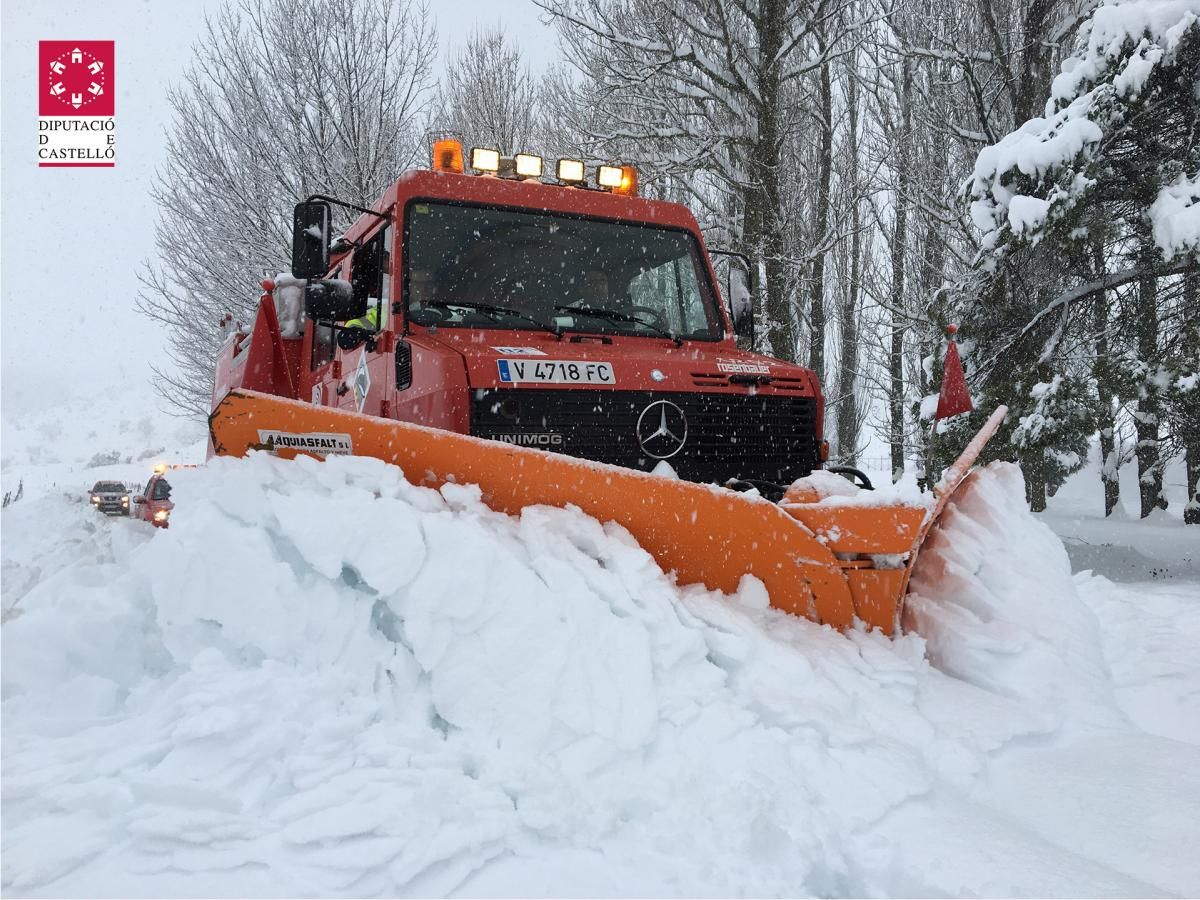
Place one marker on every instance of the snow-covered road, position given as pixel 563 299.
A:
pixel 325 681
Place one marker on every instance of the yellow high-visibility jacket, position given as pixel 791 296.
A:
pixel 370 321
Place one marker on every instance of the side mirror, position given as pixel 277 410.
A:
pixel 139 499
pixel 310 239
pixel 741 306
pixel 333 300
pixel 738 294
pixel 743 325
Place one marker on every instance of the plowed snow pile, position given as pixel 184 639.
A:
pixel 323 680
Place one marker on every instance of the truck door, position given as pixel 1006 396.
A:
pixel 363 377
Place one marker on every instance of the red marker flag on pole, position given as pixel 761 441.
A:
pixel 954 397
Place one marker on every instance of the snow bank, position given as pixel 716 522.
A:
pixel 1151 646
pixel 322 680
pixel 995 599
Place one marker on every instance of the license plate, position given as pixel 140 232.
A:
pixel 555 371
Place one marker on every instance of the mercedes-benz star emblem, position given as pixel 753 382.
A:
pixel 662 429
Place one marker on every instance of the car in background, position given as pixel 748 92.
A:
pixel 111 497
pixel 154 503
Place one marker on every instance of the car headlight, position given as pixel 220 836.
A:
pixel 125 500
pixel 161 515
pixel 95 499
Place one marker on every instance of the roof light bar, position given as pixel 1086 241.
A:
pixel 528 165
pixel 570 171
pixel 485 160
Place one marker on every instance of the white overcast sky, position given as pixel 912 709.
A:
pixel 73 239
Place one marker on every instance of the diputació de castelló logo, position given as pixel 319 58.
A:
pixel 76 104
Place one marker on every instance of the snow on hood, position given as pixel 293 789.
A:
pixel 322 680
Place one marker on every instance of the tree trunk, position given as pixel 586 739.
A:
pixel 1110 466
pixel 933 273
pixel 1149 407
pixel 1034 74
pixel 899 244
pixel 847 413
pixel 816 309
pixel 752 245
pixel 1191 456
pixel 1188 425
pixel 1034 466
pixel 781 328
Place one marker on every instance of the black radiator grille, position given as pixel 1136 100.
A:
pixel 766 438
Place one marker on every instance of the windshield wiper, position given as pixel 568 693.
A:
pixel 496 311
pixel 613 315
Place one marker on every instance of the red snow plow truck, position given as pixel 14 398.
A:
pixel 561 340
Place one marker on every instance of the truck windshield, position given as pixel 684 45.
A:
pixel 568 273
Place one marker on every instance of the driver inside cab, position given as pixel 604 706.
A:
pixel 595 290
pixel 370 320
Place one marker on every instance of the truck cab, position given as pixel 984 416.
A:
pixel 563 315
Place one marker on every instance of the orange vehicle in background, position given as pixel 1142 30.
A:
pixel 154 504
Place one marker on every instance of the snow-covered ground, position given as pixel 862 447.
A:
pixel 322 680
pixel 65 436
pixel 1123 547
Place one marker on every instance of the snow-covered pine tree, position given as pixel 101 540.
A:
pixel 1113 164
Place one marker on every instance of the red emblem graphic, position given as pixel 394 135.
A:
pixel 76 78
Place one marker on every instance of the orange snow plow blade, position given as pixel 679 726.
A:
pixel 815 560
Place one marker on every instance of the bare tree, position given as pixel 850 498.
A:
pixel 489 96
pixel 282 100
pixel 704 95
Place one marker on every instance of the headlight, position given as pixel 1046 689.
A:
pixel 95 499
pixel 125 500
pixel 161 515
